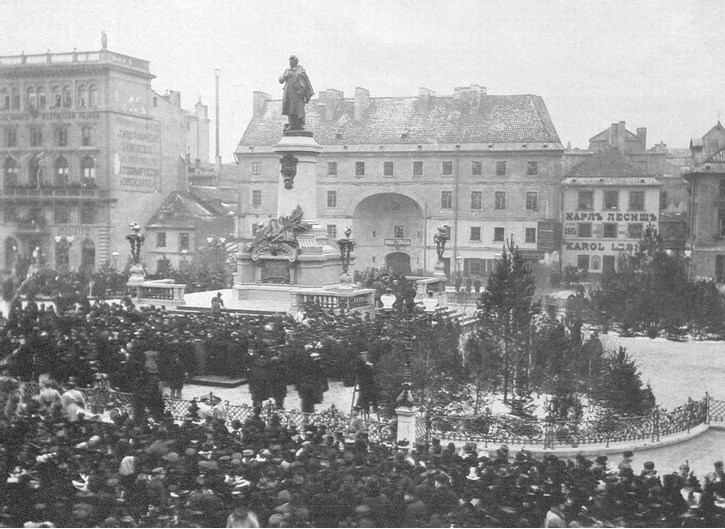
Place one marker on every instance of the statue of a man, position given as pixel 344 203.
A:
pixel 297 93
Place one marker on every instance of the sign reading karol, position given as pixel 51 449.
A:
pixel 137 161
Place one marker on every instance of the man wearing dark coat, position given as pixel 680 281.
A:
pixel 297 93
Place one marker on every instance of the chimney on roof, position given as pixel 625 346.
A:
pixel 621 136
pixel 173 97
pixel 642 135
pixel 260 98
pixel 362 101
pixel 330 100
pixel 424 95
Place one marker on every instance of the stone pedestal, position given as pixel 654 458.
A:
pixel 406 424
pixel 311 271
pixel 137 274
pixel 439 270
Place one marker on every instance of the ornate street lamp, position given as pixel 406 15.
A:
pixel 346 246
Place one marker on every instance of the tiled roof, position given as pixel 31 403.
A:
pixel 179 210
pixel 395 120
pixel 607 163
pixel 219 200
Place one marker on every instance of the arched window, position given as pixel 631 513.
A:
pixel 10 172
pixel 82 96
pixel 11 252
pixel 4 99
pixel 55 97
pixel 15 100
pixel 60 175
pixel 30 101
pixel 92 96
pixel 41 97
pixel 66 97
pixel 88 172
pixel 35 172
pixel 62 255
pixel 88 256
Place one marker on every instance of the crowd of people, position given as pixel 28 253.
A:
pixel 65 466
pixel 204 473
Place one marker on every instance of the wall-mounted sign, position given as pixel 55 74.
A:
pixel 612 217
pixel 396 242
pixel 602 247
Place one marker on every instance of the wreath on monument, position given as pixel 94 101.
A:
pixel 279 236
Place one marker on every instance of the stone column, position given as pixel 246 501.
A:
pixel 298 154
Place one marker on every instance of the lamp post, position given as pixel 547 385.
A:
pixel 346 246
pixel 217 73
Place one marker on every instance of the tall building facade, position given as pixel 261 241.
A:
pixel 87 147
pixel 488 167
pixel 706 177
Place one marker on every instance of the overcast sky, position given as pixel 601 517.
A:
pixel 652 64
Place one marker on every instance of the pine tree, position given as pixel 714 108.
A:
pixel 506 310
pixel 619 387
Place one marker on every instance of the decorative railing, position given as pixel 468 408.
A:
pixel 334 300
pixel 163 291
pixel 552 434
pixel 19 191
pixel 74 57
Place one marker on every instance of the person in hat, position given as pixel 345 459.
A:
pixel 73 403
pixel 627 458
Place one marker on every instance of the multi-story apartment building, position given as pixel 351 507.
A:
pixel 395 168
pixel 607 203
pixel 87 147
pixel 706 177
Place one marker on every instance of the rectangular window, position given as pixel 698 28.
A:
pixel 498 234
pixel 582 262
pixel 636 201
pixel 586 200
pixel 331 168
pixel 530 235
pixel 611 200
pixel 332 231
pixel 476 200
pixel 183 241
pixel 359 168
pixel 10 214
pixel 256 227
pixel 161 239
pixel 610 230
pixel 584 230
pixel 500 200
pixel 61 216
pixel 11 137
pixel 86 138
pixel 634 231
pixel 722 188
pixel 388 168
pixel 88 216
pixel 476 168
pixel 257 198
pixel 417 168
pixel 256 168
pixel 720 268
pixel 446 200
pixel 721 221
pixel 447 168
pixel 532 201
pixel 532 168
pixel 332 199
pixel 398 231
pixel 61 137
pixel 500 168
pixel 36 137
pixel 476 233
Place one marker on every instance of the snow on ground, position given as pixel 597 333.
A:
pixel 676 370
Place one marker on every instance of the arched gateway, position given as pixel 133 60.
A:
pixel 389 229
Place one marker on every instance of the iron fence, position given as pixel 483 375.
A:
pixel 493 429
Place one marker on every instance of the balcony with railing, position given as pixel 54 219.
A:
pixel 74 57
pixel 76 192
